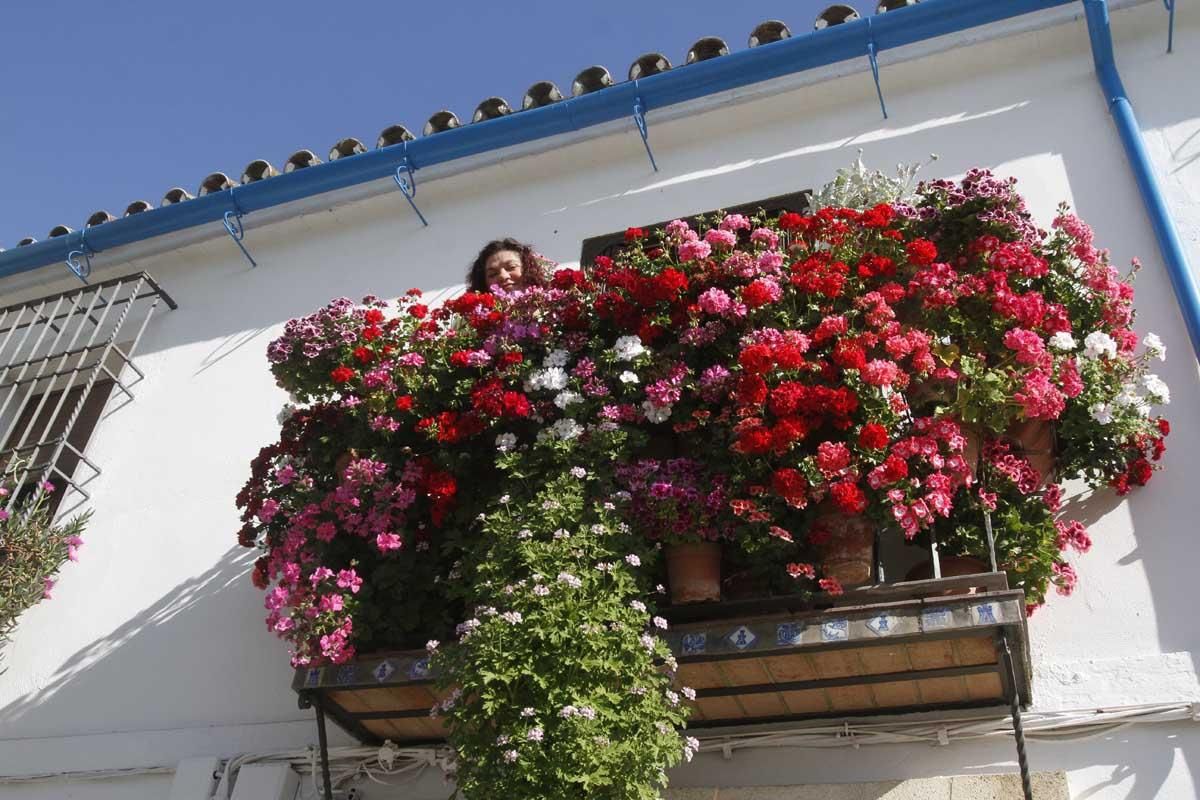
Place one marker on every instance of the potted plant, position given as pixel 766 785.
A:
pixel 1037 330
pixel 683 505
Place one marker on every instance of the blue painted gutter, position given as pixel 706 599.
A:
pixel 904 26
pixel 1182 279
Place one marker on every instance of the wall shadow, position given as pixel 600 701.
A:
pixel 138 663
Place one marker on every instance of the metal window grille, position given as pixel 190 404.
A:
pixel 60 357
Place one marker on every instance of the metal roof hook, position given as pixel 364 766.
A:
pixel 232 220
pixel 408 183
pixel 639 119
pixel 1170 6
pixel 81 270
pixel 871 50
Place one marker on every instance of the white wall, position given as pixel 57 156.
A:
pixel 154 649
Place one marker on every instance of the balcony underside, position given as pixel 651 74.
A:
pixel 885 649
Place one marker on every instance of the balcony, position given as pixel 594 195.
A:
pixel 941 644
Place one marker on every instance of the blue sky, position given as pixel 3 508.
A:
pixel 105 103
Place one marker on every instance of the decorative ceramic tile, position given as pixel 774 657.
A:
pixel 419 669
pixel 384 671
pixel 345 674
pixel 882 625
pixel 694 643
pixel 313 677
pixel 933 619
pixel 742 638
pixel 788 634
pixel 985 614
pixel 835 630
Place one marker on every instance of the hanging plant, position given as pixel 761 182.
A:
pixel 556 684
pixel 32 548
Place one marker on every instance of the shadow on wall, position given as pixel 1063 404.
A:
pixel 138 662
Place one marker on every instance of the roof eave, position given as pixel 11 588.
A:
pixel 928 20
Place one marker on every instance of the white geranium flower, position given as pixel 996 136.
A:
pixel 628 377
pixel 1102 413
pixel 552 378
pixel 557 358
pixel 1063 341
pixel 1155 347
pixel 555 378
pixel 567 398
pixel 1098 343
pixel 566 429
pixel 656 414
pixel 1156 389
pixel 506 442
pixel 627 348
pixel 1128 397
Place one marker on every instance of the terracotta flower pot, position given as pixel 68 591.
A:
pixel 1034 440
pixel 849 555
pixel 694 572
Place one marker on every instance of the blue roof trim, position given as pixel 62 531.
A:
pixel 904 26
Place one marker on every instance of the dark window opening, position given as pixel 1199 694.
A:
pixel 45 448
pixel 609 244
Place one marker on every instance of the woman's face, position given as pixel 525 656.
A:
pixel 503 269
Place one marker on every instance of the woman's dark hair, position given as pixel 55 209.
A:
pixel 531 266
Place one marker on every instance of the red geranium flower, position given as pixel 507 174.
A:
pixel 873 436
pixel 800 570
pixel 341 374
pixel 791 485
pixel 878 217
pixel 751 390
pixel 758 293
pixel 756 359
pixel 921 252
pixel 848 497
pixel 831 585
pixel 510 358
pixel 791 221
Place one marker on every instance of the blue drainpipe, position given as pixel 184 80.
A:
pixel 1182 279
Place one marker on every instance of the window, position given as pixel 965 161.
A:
pixel 608 244
pixel 61 358
pixel 47 446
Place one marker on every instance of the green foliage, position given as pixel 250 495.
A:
pixel 32 550
pixel 559 685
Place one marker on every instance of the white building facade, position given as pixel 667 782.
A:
pixel 152 653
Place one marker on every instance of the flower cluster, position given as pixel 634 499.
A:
pixel 32 546
pixel 676 500
pixel 562 656
pixel 786 385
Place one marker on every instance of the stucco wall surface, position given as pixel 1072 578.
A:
pixel 153 648
pixel 1046 786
